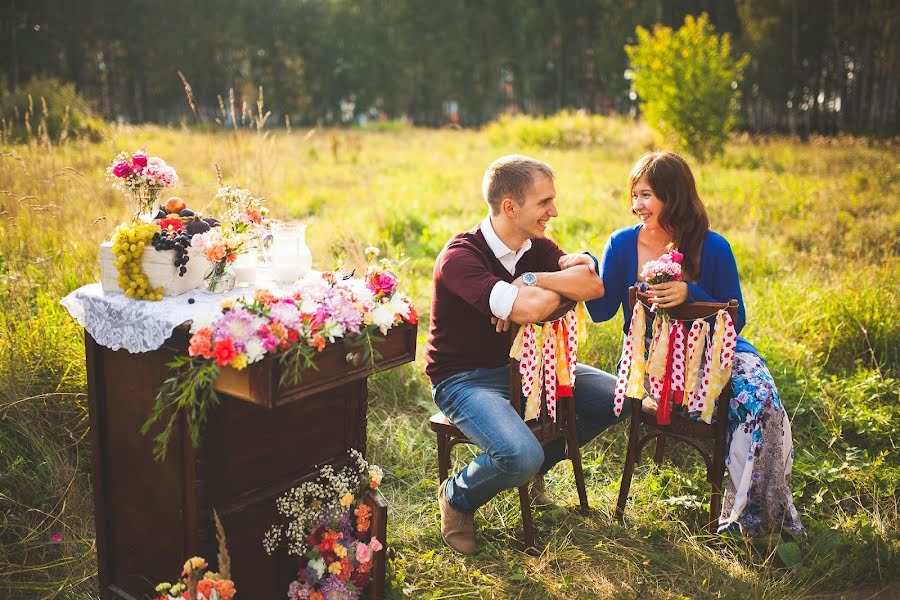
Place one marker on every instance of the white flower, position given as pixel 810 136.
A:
pixel 319 565
pixel 254 351
pixel 383 317
pixel 203 320
pixel 400 305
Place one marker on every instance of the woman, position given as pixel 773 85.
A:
pixel 664 197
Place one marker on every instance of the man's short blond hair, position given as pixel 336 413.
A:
pixel 511 176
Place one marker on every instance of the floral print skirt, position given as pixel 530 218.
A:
pixel 760 456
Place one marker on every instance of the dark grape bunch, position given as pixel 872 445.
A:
pixel 178 240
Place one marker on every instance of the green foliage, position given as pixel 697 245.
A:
pixel 190 392
pixel 46 110
pixel 687 81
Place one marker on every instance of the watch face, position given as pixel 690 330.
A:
pixel 529 278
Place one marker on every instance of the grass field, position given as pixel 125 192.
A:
pixel 816 232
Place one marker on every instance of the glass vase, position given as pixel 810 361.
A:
pixel 220 278
pixel 146 202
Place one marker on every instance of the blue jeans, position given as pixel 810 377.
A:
pixel 478 403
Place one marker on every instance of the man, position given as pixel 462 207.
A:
pixel 504 270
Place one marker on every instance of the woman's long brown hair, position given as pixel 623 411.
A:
pixel 684 215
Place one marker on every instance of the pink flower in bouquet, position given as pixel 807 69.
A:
pixel 122 169
pixel 363 552
pixel 139 161
pixel 381 282
pixel 677 256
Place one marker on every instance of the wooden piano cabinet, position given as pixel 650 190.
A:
pixel 259 442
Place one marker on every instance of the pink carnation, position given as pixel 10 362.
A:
pixel 122 169
pixel 363 553
pixel 139 161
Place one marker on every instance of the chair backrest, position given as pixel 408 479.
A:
pixel 691 311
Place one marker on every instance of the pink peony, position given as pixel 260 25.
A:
pixel 122 169
pixel 139 161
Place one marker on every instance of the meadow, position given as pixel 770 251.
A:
pixel 816 232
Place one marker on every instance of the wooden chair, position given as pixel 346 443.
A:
pixel 681 428
pixel 543 428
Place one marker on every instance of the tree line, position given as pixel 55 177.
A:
pixel 821 66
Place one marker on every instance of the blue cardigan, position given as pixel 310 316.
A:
pixel 718 281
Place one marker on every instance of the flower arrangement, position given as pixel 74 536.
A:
pixel 142 178
pixel 296 325
pixel 666 268
pixel 328 527
pixel 244 226
pixel 195 584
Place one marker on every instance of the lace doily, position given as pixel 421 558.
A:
pixel 116 321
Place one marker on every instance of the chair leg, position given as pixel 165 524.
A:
pixel 631 458
pixel 527 523
pixel 660 448
pixel 715 476
pixel 573 451
pixel 443 443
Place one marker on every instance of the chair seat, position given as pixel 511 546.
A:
pixel 680 422
pixel 439 423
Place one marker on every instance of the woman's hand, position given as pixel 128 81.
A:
pixel 568 261
pixel 669 294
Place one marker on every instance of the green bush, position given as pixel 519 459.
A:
pixel 46 110
pixel 687 81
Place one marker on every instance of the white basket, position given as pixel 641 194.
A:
pixel 159 268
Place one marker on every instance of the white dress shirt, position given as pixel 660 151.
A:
pixel 503 294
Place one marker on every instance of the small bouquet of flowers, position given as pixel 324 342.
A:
pixel 666 268
pixel 328 527
pixel 197 585
pixel 246 213
pixel 221 247
pixel 141 178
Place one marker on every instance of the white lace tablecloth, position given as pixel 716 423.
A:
pixel 116 321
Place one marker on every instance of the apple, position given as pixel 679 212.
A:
pixel 174 205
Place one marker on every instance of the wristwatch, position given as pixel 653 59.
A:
pixel 529 278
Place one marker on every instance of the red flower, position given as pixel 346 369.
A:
pixel 224 352
pixel 413 315
pixel 171 224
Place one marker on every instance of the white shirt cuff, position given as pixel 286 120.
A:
pixel 503 296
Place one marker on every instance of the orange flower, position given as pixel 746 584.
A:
pixel 201 343
pixel 317 342
pixel 346 569
pixel 226 589
pixel 315 595
pixel 264 296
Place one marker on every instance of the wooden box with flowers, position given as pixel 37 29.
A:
pixel 264 425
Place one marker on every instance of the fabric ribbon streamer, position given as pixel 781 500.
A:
pixel 718 365
pixel 547 360
pixel 696 345
pixel 633 365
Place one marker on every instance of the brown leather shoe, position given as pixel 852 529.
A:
pixel 538 492
pixel 457 528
